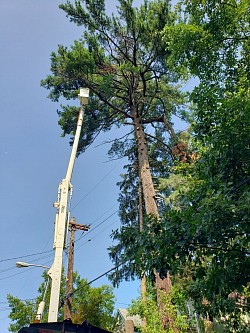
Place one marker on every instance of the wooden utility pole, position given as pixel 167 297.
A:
pixel 73 226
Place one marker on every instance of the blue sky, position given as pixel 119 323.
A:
pixel 34 159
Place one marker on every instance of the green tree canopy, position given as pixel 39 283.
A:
pixel 121 58
pixel 95 304
pixel 205 232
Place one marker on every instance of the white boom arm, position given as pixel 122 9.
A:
pixel 62 217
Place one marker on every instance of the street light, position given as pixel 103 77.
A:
pixel 83 96
pixel 21 264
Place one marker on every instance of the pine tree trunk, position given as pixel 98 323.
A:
pixel 149 193
pixel 143 286
pixel 144 170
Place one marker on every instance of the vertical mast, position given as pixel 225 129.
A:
pixel 62 217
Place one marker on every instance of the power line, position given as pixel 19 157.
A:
pixel 7 277
pixel 91 190
pixel 73 292
pixel 26 270
pixel 88 283
pixel 22 300
pixel 25 256
pixel 49 251
pixel 95 186
pixel 14 267
pixel 97 219
pixel 98 225
pixel 103 230
pixel 90 239
pixel 7 269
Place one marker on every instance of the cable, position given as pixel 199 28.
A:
pixel 94 187
pixel 97 220
pixel 25 256
pixel 7 269
pixel 98 225
pixel 44 257
pixel 103 230
pixel 26 270
pixel 30 255
pixel 88 283
pixel 22 300
pixel 7 277
pixel 14 267
pixel 97 234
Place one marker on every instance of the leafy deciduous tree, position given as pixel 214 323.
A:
pixel 206 229
pixel 88 303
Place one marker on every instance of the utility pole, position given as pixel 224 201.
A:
pixel 73 226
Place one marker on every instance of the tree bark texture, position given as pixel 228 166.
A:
pixel 151 208
pixel 144 170
pixel 143 286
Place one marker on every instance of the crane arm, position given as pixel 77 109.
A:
pixel 61 220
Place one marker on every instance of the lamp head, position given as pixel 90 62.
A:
pixel 84 95
pixel 21 264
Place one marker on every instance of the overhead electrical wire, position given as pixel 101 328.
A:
pixel 99 233
pixel 98 225
pixel 7 269
pixel 14 267
pixel 89 240
pixel 25 256
pixel 34 254
pixel 88 283
pixel 22 300
pixel 91 190
pixel 74 291
pixel 50 251
pixel 7 277
pixel 97 220
pixel 95 186
pixel 26 270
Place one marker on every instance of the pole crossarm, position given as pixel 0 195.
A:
pixel 76 226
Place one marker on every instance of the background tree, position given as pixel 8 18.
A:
pixel 95 304
pixel 205 233
pixel 122 60
pixel 88 303
pixel 181 319
pixel 22 313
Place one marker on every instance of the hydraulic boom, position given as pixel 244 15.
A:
pixel 63 216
